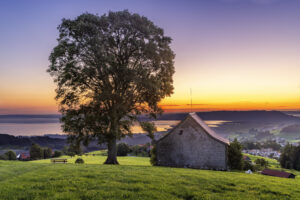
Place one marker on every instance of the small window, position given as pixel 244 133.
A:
pixel 180 132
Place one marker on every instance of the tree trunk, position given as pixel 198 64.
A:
pixel 112 152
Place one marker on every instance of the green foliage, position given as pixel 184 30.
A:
pixel 248 165
pixel 153 158
pixel 290 157
pixel 79 161
pixel 10 155
pixel 74 149
pixel 274 164
pixel 271 144
pixel 235 156
pixel 36 152
pixel 123 149
pixel 140 150
pixel 262 163
pixel 47 153
pixel 108 70
pixel 3 157
pixel 251 145
pixel 150 129
pixel 57 154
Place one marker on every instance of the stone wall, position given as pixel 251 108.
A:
pixel 188 145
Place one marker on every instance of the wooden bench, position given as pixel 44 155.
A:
pixel 59 160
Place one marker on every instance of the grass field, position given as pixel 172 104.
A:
pixel 134 178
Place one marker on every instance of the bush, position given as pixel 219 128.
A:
pixel 57 154
pixel 47 153
pixel 142 151
pixel 122 149
pixel 36 152
pixel 262 162
pixel 3 157
pixel 72 154
pixel 79 161
pixel 248 165
pixel 10 155
pixel 235 156
pixel 73 149
pixel 153 158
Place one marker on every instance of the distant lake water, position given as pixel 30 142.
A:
pixel 18 128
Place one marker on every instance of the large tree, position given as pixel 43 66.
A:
pixel 109 69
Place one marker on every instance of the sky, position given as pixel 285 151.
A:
pixel 232 54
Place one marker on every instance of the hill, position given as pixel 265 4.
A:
pixel 9 141
pixel 134 179
pixel 235 116
pixel 260 115
pixel 29 119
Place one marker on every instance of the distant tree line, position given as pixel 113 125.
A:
pixel 248 145
pixel 37 152
pixel 136 150
pixel 21 142
pixel 290 157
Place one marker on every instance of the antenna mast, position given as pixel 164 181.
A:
pixel 191 99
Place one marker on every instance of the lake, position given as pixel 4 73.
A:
pixel 34 127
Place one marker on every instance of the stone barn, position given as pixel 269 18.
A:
pixel 192 144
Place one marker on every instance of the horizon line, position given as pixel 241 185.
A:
pixel 169 111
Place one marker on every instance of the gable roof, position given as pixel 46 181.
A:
pixel 277 173
pixel 203 125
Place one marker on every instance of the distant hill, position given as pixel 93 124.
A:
pixel 291 130
pixel 25 142
pixel 29 119
pixel 214 115
pixel 235 116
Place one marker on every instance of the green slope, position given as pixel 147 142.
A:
pixel 135 179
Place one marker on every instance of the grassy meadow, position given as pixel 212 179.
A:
pixel 134 178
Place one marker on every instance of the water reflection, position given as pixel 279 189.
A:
pixel 18 129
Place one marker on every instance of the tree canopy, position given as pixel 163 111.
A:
pixel 109 69
pixel 235 156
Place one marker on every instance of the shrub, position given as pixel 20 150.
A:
pixel 36 152
pixel 47 153
pixel 248 165
pixel 122 149
pixel 235 156
pixel 74 149
pixel 153 158
pixel 142 151
pixel 261 162
pixel 57 154
pixel 79 161
pixel 10 155
pixel 72 154
pixel 3 157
